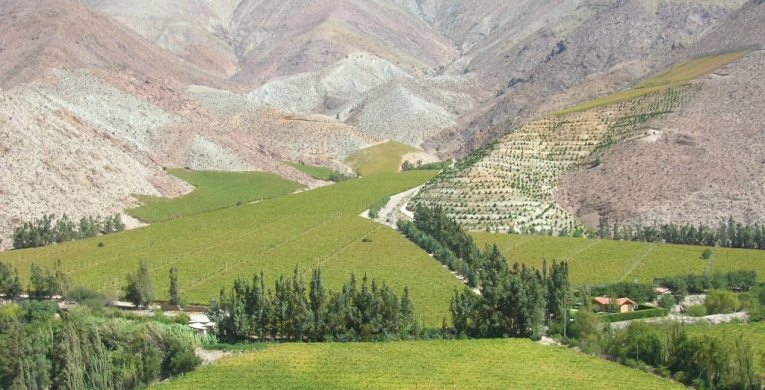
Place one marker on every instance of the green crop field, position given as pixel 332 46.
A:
pixel 468 364
pixel 752 332
pixel 321 173
pixel 214 190
pixel 382 158
pixel 674 76
pixel 309 229
pixel 594 261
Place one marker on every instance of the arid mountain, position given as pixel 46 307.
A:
pixel 707 162
pixel 255 41
pixel 100 95
pixel 687 153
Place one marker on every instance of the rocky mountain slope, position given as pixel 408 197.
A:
pixel 706 164
pixel 128 88
pixel 686 153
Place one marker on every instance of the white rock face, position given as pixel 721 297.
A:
pixel 104 107
pixel 206 155
pixel 349 79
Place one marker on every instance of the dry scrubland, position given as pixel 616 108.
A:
pixel 502 364
pixel 319 228
pixel 512 184
pixel 594 261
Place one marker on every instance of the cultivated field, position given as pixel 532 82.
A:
pixel 381 158
pixel 214 190
pixel 309 229
pixel 593 261
pixel 320 173
pixel 469 364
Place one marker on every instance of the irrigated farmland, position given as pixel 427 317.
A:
pixel 475 364
pixel 319 228
pixel 214 190
pixel 593 261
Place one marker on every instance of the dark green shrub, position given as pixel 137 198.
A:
pixel 86 297
pixel 183 361
pixel 644 311
pixel 696 311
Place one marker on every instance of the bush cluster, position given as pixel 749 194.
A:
pixel 49 230
pixel 290 313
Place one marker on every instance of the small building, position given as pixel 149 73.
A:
pixel 603 304
pixel 663 290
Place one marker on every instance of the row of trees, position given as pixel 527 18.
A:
pixel 742 280
pixel 408 166
pixel 515 302
pixel 730 234
pixel 81 350
pixel 289 312
pixel 43 282
pixel 436 233
pixel 49 230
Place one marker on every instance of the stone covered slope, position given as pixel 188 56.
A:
pixel 296 136
pixel 707 162
pixel 53 162
pixel 545 49
pixel 375 96
pixel 90 119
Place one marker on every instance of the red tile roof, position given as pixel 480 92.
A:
pixel 607 301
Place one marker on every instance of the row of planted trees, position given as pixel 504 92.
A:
pixel 730 234
pixel 358 312
pixel 507 302
pixel 49 230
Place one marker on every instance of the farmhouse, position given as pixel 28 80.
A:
pixel 603 304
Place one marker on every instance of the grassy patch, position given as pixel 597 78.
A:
pixel 483 364
pixel 674 76
pixel 319 228
pixel 382 158
pixel 321 173
pixel 214 190
pixel 593 261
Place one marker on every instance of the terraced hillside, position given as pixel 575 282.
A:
pixel 502 364
pixel 510 186
pixel 594 261
pixel 319 228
